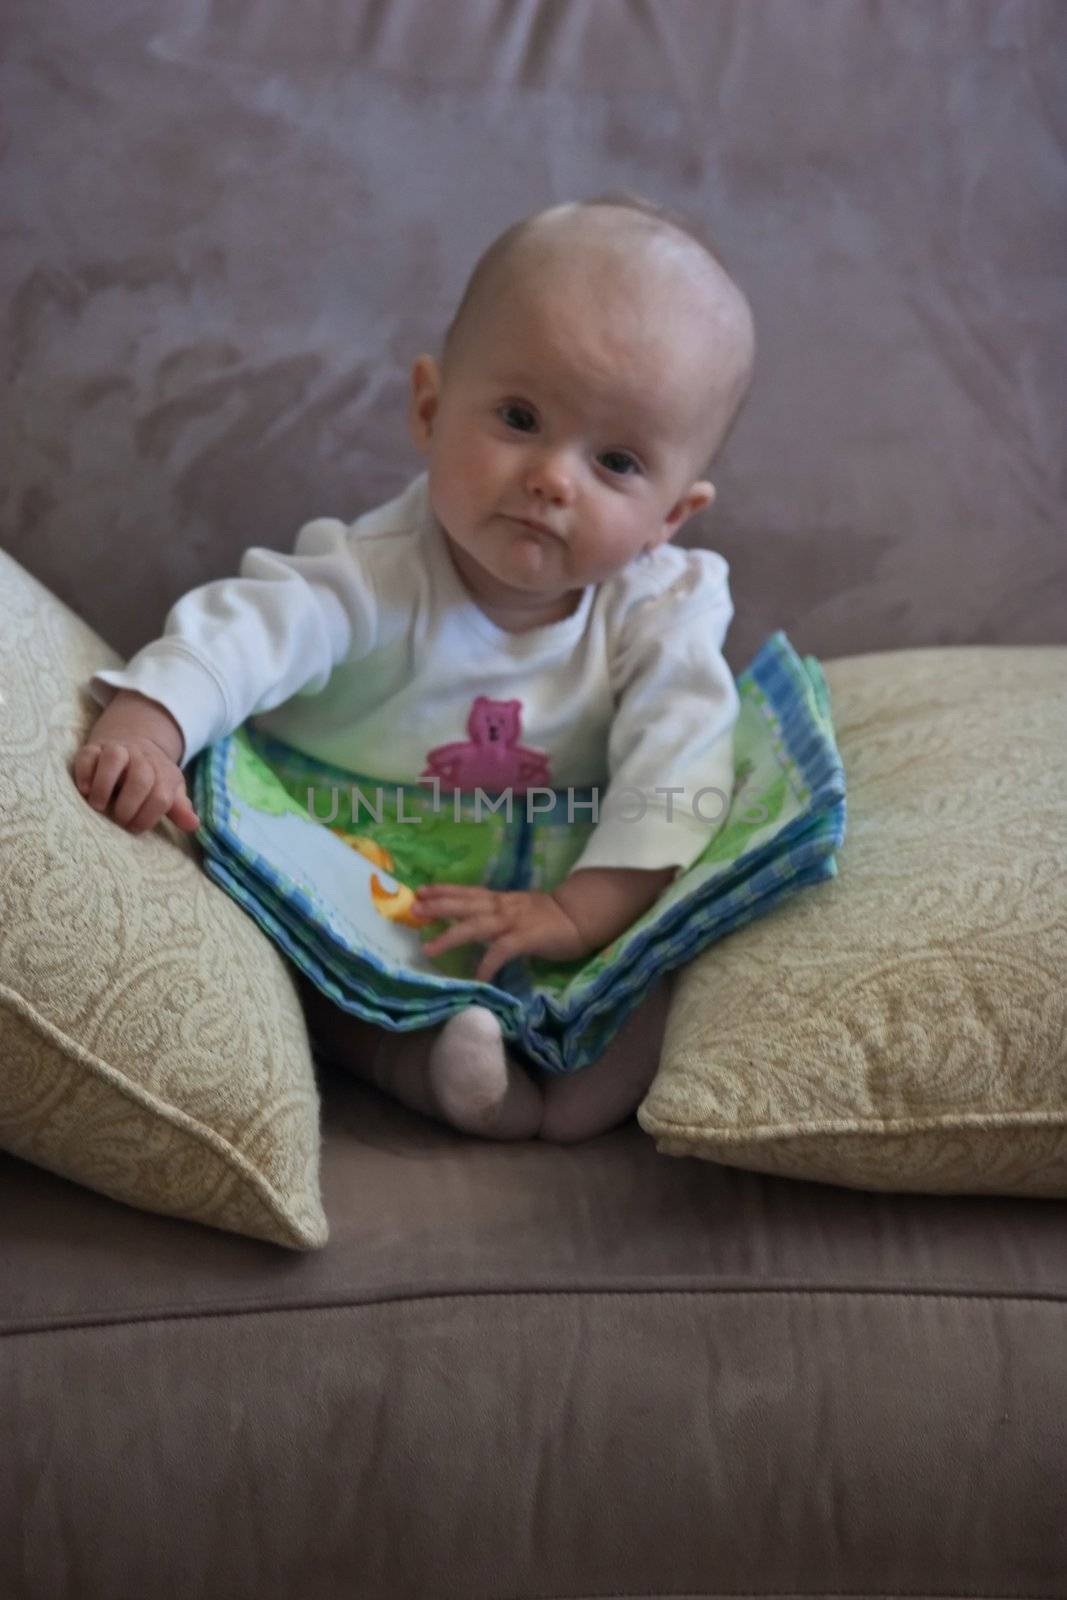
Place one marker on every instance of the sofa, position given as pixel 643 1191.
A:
pixel 530 1370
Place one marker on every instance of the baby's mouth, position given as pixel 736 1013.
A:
pixel 535 527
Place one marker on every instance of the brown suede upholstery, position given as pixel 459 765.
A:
pixel 525 1370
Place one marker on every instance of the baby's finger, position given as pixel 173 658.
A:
pixel 453 900
pixel 472 930
pixel 181 812
pixel 137 785
pixel 165 798
pixel 84 766
pixel 111 764
pixel 144 819
pixel 499 953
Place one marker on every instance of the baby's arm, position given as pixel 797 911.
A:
pixel 582 914
pixel 129 762
pixel 229 650
pixel 604 901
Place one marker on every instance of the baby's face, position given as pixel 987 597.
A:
pixel 564 440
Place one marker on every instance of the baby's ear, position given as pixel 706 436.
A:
pixel 696 498
pixel 425 395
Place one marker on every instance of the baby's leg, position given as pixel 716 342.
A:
pixel 598 1097
pixel 458 1073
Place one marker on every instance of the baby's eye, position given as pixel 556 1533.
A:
pixel 517 416
pixel 621 462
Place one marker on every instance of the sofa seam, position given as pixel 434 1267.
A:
pixel 780 1594
pixel 1053 1297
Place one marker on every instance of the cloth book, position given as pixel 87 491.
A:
pixel 327 861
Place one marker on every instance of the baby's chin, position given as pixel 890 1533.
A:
pixel 512 553
pixel 521 585
pixel 533 555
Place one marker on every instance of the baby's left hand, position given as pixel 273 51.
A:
pixel 510 922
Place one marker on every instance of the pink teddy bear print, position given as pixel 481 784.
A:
pixel 492 759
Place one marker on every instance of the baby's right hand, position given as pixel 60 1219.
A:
pixel 131 758
pixel 136 778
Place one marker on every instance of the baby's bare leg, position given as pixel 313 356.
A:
pixel 458 1073
pixel 598 1097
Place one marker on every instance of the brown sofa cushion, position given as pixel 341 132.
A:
pixel 152 1045
pixel 903 1025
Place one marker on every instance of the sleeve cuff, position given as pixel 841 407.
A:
pixel 649 843
pixel 180 683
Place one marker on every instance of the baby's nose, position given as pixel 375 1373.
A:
pixel 550 476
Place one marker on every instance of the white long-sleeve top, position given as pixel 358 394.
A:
pixel 365 650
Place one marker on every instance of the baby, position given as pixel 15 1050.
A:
pixel 597 361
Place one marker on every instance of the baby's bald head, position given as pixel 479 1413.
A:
pixel 664 278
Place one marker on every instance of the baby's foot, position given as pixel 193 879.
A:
pixel 478 1089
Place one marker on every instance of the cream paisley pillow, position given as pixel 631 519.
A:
pixel 904 1024
pixel 152 1045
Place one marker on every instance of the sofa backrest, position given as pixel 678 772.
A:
pixel 232 228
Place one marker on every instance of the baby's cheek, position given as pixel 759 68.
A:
pixel 489 460
pixel 449 490
pixel 466 472
pixel 618 540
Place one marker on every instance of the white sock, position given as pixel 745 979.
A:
pixel 477 1087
